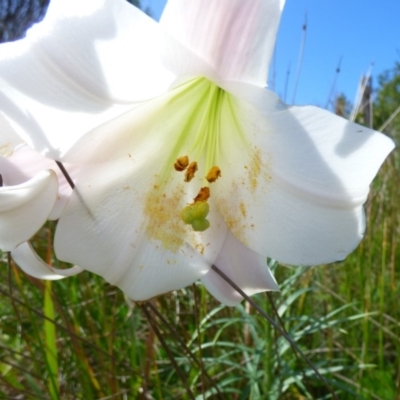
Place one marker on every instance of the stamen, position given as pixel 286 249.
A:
pixel 189 174
pixel 203 195
pixel 181 163
pixel 213 174
pixel 66 175
pixel 72 184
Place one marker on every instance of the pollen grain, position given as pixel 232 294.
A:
pixel 163 217
pixel 255 170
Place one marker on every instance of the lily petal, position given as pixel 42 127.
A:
pixel 75 66
pixel 24 208
pixel 349 155
pixel 8 139
pixel 23 163
pixel 19 163
pixel 299 197
pixel 235 37
pixel 245 267
pixel 123 222
pixel 27 259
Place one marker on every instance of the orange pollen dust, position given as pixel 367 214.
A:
pixel 213 174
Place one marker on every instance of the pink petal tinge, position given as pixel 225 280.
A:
pixel 235 37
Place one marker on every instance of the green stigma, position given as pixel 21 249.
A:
pixel 195 214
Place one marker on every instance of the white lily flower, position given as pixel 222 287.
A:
pixel 186 160
pixel 30 194
pixel 24 209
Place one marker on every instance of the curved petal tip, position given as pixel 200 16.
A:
pixel 25 208
pixel 27 259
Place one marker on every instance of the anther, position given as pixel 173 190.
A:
pixel 203 195
pixel 213 174
pixel 181 163
pixel 191 170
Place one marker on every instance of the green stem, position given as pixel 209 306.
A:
pixel 50 342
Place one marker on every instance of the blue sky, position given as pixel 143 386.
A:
pixel 359 32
